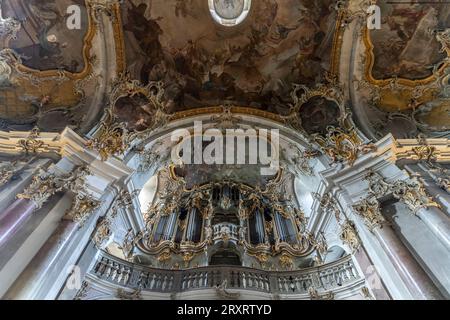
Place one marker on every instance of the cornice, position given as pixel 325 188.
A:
pixel 437 150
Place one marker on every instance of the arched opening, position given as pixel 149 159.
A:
pixel 148 193
pixel 334 253
pixel 225 258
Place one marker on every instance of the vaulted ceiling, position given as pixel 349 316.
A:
pixel 253 64
pixel 394 78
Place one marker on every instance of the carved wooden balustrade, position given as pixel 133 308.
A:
pixel 125 274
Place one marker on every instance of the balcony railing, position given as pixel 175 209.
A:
pixel 125 274
pixel 225 231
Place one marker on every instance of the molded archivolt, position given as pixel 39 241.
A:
pixel 229 13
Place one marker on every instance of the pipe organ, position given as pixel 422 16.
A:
pixel 227 215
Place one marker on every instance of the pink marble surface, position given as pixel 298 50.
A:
pixel 14 217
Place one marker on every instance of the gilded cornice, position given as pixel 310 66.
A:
pixel 431 150
pixel 338 40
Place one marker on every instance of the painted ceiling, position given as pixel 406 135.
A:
pixel 50 74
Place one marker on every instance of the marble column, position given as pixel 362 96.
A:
pixel 14 217
pixel 438 223
pixel 378 289
pixel 414 277
pixel 435 219
pixel 43 263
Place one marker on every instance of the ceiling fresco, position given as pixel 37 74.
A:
pixel 53 77
pixel 253 64
pixel 406 69
pixel 44 42
pixel 47 66
pixel 405 46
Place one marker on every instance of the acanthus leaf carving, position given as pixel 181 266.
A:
pixel 130 241
pixel 112 141
pixel 413 194
pixel 9 27
pixel 369 210
pixel 82 208
pixel 116 136
pixel 300 160
pixel 444 183
pixel 319 243
pixel 7 171
pixel 43 186
pixel 286 262
pixel 124 200
pixel 84 204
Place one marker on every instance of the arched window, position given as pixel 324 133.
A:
pixel 229 12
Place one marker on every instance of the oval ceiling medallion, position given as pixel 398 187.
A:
pixel 229 12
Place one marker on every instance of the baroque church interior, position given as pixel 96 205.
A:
pixel 98 200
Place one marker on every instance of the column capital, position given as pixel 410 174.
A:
pixel 47 183
pixel 43 186
pixel 444 183
pixel 328 203
pixel 410 191
pixel 7 171
pixel 369 210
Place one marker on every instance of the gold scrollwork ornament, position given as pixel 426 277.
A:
pixel 343 145
pixel 262 257
pixel 286 262
pixel 33 144
pixel 413 194
pixel 113 141
pixel 6 174
pixel 369 210
pixel 43 186
pixel 102 233
pixel 82 208
pixel 350 236
pixel 187 258
pixel 314 295
pixel 164 256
